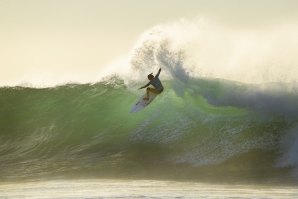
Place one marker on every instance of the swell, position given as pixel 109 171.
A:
pixel 199 126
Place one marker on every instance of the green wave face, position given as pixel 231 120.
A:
pixel 204 128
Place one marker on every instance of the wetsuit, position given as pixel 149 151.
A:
pixel 155 82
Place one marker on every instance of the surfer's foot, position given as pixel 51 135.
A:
pixel 145 98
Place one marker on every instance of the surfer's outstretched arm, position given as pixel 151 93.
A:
pixel 157 74
pixel 145 86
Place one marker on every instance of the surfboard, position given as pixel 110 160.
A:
pixel 141 103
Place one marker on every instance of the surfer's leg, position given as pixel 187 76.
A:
pixel 153 90
pixel 147 92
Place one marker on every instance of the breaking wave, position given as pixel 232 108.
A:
pixel 216 118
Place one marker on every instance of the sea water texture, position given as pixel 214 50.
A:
pixel 140 189
pixel 213 122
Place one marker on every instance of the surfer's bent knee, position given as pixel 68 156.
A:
pixel 153 90
pixel 160 91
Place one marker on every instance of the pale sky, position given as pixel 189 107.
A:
pixel 47 38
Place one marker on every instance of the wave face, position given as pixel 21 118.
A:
pixel 206 128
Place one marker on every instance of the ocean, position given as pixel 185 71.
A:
pixel 225 126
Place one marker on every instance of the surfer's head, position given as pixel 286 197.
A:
pixel 150 76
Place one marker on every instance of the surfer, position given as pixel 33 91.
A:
pixel 155 82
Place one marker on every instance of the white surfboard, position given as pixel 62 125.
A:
pixel 141 103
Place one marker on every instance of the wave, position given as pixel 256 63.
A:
pixel 86 130
pixel 217 118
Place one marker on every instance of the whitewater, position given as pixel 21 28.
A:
pixel 228 116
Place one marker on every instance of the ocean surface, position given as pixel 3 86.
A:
pixel 140 189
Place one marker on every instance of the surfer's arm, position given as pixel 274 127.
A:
pixel 145 86
pixel 158 73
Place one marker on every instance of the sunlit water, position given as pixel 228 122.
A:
pixel 77 189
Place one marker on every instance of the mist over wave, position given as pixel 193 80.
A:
pixel 200 48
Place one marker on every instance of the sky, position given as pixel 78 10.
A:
pixel 42 40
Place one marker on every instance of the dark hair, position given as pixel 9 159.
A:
pixel 150 76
